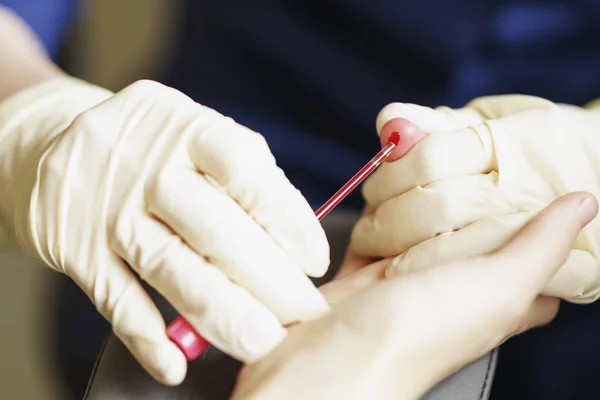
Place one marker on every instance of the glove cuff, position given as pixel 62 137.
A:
pixel 79 94
pixel 30 120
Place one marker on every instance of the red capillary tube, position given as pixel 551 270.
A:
pixel 183 334
pixel 355 180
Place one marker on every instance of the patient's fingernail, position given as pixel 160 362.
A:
pixel 394 266
pixel 403 133
pixel 587 209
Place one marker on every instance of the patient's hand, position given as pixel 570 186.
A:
pixel 480 174
pixel 396 338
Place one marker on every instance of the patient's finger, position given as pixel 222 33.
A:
pixel 434 158
pixel 403 133
pixel 431 120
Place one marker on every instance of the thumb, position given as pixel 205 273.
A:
pixel 544 244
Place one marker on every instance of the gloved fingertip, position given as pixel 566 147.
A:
pixel 170 365
pixel 162 359
pixel 321 307
pixel 307 304
pixel 317 272
pixel 318 269
pixel 403 133
pixel 311 249
pixel 259 338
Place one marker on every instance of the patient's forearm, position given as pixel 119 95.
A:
pixel 23 61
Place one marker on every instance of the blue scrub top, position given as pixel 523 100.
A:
pixel 312 75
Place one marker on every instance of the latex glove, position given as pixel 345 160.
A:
pixel 397 338
pixel 100 186
pixel 482 172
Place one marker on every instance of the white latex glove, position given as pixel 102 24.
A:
pixel 100 186
pixel 481 173
pixel 396 338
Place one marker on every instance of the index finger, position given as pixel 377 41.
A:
pixel 240 161
pixel 435 155
pixel 428 158
pixel 223 233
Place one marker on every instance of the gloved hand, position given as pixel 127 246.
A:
pixel 100 186
pixel 482 172
pixel 397 338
